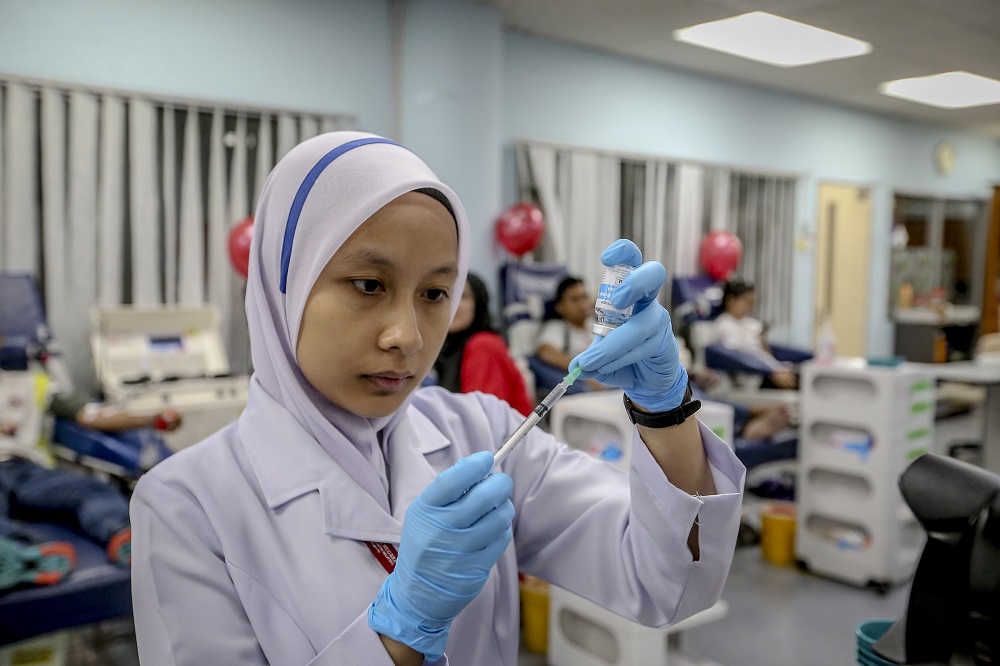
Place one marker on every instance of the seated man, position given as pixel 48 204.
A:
pixel 739 331
pixel 568 333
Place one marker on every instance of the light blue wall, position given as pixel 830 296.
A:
pixel 469 89
pixel 322 55
pixel 565 94
pixel 452 82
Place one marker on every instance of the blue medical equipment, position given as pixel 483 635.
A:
pixel 659 381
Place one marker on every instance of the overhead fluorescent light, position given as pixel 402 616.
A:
pixel 768 38
pixel 951 90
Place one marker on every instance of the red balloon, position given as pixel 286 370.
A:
pixel 239 245
pixel 720 253
pixel 520 228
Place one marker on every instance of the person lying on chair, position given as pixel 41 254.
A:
pixel 739 331
pixel 33 491
pixel 568 332
pixel 30 492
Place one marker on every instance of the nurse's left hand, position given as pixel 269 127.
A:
pixel 641 356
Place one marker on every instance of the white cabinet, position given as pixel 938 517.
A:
pixel 167 357
pixel 861 426
pixel 598 424
pixel 580 632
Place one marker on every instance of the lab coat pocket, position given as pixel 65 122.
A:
pixel 281 638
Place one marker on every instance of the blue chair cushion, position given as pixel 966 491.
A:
pixel 96 590
pixel 787 354
pixel 128 450
pixel 720 357
pixel 753 453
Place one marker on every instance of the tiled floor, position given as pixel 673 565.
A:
pixel 777 617
pixel 783 617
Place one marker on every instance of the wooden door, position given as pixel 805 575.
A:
pixel 843 257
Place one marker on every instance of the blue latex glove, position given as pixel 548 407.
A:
pixel 453 534
pixel 641 355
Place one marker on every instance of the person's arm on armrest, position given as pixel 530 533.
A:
pixel 113 420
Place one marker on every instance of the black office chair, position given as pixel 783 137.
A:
pixel 953 613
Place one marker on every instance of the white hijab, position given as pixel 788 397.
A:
pixel 314 199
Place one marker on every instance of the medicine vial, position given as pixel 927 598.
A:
pixel 608 316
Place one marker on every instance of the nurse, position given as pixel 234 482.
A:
pixel 345 518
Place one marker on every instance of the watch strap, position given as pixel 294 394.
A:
pixel 666 419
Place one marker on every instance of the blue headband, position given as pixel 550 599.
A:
pixel 304 188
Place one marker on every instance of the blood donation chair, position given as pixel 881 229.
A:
pixel 96 589
pixel 527 294
pixel 953 612
pixel 28 344
pixel 696 302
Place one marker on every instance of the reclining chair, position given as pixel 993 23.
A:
pixel 27 340
pixel 96 589
pixel 527 292
pixel 697 301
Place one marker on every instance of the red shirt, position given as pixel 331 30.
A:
pixel 488 367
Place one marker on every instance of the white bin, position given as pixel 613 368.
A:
pixel 582 633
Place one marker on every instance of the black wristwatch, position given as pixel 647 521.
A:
pixel 673 417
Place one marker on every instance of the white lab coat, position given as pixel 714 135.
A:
pixel 248 554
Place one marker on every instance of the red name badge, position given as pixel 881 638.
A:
pixel 385 553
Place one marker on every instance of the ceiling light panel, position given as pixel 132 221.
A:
pixel 771 39
pixel 951 90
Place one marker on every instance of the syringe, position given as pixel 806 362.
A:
pixel 534 417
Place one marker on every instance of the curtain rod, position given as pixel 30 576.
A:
pixel 163 98
pixel 604 152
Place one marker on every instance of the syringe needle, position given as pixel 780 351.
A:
pixel 534 417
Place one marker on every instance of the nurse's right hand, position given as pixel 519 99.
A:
pixel 453 534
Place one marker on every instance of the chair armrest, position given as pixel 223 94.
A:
pixel 547 376
pixel 134 451
pixel 720 357
pixel 13 355
pixel 787 354
pixel 94 591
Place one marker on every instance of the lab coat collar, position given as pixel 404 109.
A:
pixel 413 438
pixel 289 463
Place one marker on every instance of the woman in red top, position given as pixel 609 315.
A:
pixel 475 358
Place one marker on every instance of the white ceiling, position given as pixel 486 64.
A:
pixel 909 38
